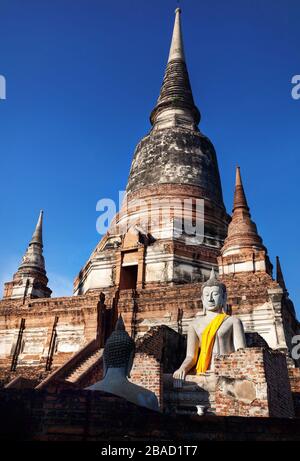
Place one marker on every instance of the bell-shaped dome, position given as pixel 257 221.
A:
pixel 176 156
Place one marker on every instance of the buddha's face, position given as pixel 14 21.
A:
pixel 213 298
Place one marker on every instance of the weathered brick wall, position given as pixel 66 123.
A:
pixel 75 315
pixel 162 304
pixel 147 372
pixel 147 367
pixel 78 415
pixel 241 387
pixel 294 376
pixel 253 382
pixel 280 398
pixel 152 342
pixel 248 290
pixel 33 373
pixel 291 325
pixel 39 314
pixel 165 344
pixel 159 351
pixel 5 365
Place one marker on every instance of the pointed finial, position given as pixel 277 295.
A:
pixel 37 236
pixel 120 324
pixel 279 274
pixel 176 50
pixel 240 200
pixel 213 281
pixel 212 274
pixel 242 231
pixel 238 179
pixel 176 93
pixel 31 278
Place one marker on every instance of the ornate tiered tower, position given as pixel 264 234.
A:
pixel 173 221
pixel 30 280
pixel 244 266
pixel 243 250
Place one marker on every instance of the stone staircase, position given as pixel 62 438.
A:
pixel 197 394
pixel 78 368
pixel 77 373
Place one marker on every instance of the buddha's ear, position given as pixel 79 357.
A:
pixel 203 307
pixel 130 364
pixel 104 368
pixel 228 309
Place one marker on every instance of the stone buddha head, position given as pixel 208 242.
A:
pixel 118 358
pixel 214 295
pixel 119 349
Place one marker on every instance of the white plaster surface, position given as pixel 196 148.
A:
pixel 70 338
pixel 7 341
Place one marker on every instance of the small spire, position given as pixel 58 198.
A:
pixel 279 274
pixel 37 236
pixel 177 50
pixel 240 200
pixel 242 231
pixel 33 257
pixel 31 279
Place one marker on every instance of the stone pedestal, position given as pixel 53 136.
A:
pixel 197 393
pixel 249 382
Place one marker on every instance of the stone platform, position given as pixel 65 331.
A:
pixel 197 394
pixel 78 415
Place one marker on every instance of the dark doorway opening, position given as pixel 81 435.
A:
pixel 128 279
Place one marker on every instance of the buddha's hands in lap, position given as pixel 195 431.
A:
pixel 179 376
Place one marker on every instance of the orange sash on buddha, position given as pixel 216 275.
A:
pixel 207 343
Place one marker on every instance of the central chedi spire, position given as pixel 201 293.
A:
pixel 175 156
pixel 174 164
pixel 175 151
pixel 175 105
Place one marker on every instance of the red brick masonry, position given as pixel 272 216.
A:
pixel 253 382
pixel 95 416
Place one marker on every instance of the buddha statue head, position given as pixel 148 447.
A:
pixel 118 358
pixel 119 349
pixel 214 294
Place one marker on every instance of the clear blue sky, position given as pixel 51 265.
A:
pixel 82 77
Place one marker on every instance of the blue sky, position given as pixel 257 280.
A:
pixel 82 78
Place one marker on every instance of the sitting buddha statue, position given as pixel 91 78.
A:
pixel 212 333
pixel 118 358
